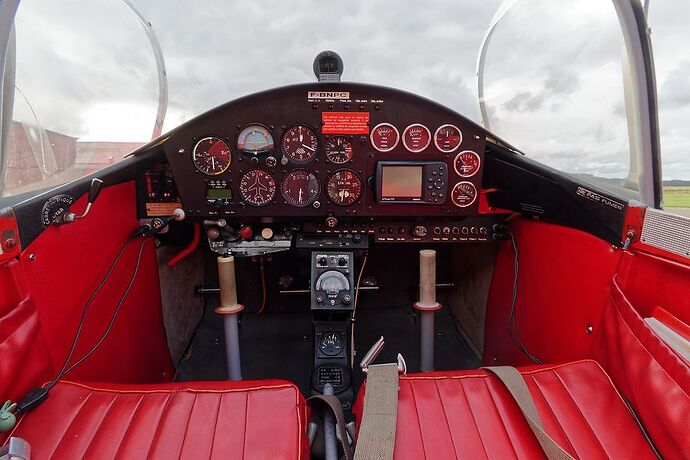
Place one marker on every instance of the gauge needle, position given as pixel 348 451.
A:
pixel 307 147
pixel 299 196
pixel 213 163
pixel 300 135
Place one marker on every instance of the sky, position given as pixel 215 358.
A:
pixel 553 70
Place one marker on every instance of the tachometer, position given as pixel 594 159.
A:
pixel 384 137
pixel 257 187
pixel 344 187
pixel 416 138
pixel 255 140
pixel 466 163
pixel 339 149
pixel 447 138
pixel 211 156
pixel 463 194
pixel 299 144
pixel 300 188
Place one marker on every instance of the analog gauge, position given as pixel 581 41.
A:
pixel 339 149
pixel 416 138
pixel 300 188
pixel 466 163
pixel 384 137
pixel 448 138
pixel 257 187
pixel 211 156
pixel 463 194
pixel 331 343
pixel 300 143
pixel 255 140
pixel 344 187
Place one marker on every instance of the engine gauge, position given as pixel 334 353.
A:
pixel 211 156
pixel 300 188
pixel 338 149
pixel 448 138
pixel 384 137
pixel 331 343
pixel 466 163
pixel 257 187
pixel 255 140
pixel 300 144
pixel 464 194
pixel 416 138
pixel 344 187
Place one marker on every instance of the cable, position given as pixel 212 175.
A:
pixel 354 310
pixel 85 311
pixel 263 288
pixel 512 321
pixel 115 312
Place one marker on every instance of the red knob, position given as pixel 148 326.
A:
pixel 246 232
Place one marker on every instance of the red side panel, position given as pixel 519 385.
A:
pixel 648 372
pixel 564 280
pixel 64 265
pixel 22 348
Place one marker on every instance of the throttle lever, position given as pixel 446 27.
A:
pixel 94 191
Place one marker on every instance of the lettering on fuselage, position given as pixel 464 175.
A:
pixel 583 192
pixel 328 95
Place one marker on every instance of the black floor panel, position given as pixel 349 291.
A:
pixel 279 345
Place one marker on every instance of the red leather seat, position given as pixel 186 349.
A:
pixel 470 414
pixel 195 420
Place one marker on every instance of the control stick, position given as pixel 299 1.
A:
pixel 229 308
pixel 427 306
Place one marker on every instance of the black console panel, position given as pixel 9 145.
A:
pixel 327 149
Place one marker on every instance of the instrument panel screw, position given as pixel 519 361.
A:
pixel 10 243
pixel 181 150
pixel 32 257
pixel 590 329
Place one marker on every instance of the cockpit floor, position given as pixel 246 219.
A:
pixel 280 345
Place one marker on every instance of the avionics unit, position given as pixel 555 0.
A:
pixel 414 182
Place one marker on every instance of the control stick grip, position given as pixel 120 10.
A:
pixel 427 278
pixel 228 286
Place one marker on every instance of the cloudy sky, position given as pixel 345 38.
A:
pixel 553 74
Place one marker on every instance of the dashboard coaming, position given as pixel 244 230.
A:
pixel 330 109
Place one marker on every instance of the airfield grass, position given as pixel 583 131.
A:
pixel 677 197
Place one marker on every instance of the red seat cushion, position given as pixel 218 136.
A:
pixel 197 420
pixel 470 414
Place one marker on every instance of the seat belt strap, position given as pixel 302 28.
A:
pixel 515 383
pixel 332 403
pixel 376 439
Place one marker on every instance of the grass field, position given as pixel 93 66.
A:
pixel 677 197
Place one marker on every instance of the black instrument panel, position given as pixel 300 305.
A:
pixel 328 149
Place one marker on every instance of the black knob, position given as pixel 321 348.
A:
pixel 319 299
pixel 342 261
pixel 322 261
pixel 347 298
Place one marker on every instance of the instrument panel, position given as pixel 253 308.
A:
pixel 328 149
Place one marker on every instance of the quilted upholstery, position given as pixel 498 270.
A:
pixel 197 420
pixel 470 414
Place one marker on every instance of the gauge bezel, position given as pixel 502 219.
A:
pixel 466 205
pixel 325 149
pixel 428 142
pixel 361 187
pixel 194 151
pixel 448 125
pixel 259 154
pixel 244 198
pixel 455 163
pixel 316 149
pixel 371 137
pixel 312 200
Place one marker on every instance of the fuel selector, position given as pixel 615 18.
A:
pixel 332 281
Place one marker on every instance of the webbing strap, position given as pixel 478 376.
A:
pixel 376 439
pixel 332 403
pixel 515 383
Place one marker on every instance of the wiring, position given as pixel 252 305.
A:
pixel 115 312
pixel 85 310
pixel 354 310
pixel 512 320
pixel 263 287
